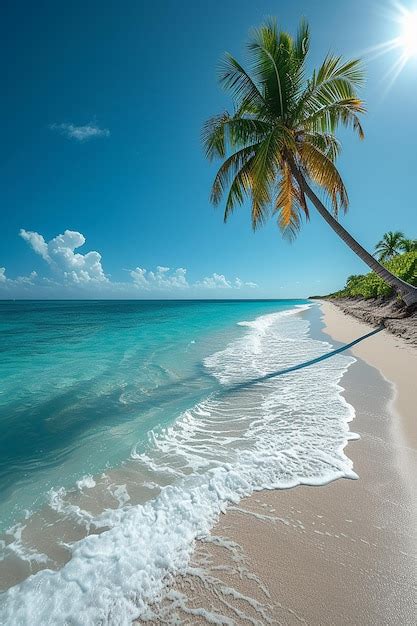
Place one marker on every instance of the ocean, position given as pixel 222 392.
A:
pixel 126 427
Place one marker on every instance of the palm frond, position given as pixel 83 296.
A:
pixel 214 137
pixel 321 169
pixel 302 41
pixel 273 65
pixel 244 130
pixel 287 205
pixel 259 213
pixel 240 188
pixel 326 142
pixel 332 68
pixel 334 79
pixel 235 79
pixel 267 162
pixel 328 117
pixel 408 245
pixel 334 82
pixel 224 131
pixel 229 170
pixel 290 203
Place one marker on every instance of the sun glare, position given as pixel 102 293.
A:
pixel 403 45
pixel 408 37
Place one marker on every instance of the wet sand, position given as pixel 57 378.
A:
pixel 395 358
pixel 344 553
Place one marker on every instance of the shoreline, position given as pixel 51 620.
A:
pixel 355 539
pixel 393 357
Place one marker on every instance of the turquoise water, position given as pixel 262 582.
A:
pixel 128 427
pixel 82 383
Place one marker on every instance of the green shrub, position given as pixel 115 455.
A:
pixel 371 286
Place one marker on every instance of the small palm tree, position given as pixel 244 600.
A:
pixel 409 245
pixel 280 141
pixel 389 246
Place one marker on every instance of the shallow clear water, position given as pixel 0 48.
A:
pixel 126 429
pixel 83 382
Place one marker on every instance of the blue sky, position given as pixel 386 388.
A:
pixel 101 124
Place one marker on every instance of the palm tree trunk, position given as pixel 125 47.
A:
pixel 407 292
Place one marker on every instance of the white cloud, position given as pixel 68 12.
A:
pixel 20 280
pixel 214 281
pixel 239 284
pixel 73 271
pixel 37 242
pixel 60 254
pixel 27 280
pixel 165 278
pixel 219 281
pixel 80 133
pixel 162 278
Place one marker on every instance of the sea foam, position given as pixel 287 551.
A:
pixel 264 434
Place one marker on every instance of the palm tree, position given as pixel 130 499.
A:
pixel 280 141
pixel 409 245
pixel 389 246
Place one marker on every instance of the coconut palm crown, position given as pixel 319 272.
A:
pixel 280 143
pixel 409 245
pixel 389 246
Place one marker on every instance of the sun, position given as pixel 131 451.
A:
pixel 403 44
pixel 408 38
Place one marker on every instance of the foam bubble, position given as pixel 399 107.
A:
pixel 18 548
pixel 87 482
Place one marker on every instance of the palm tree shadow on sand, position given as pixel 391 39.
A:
pixel 300 366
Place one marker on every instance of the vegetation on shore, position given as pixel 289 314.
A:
pixel 372 286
